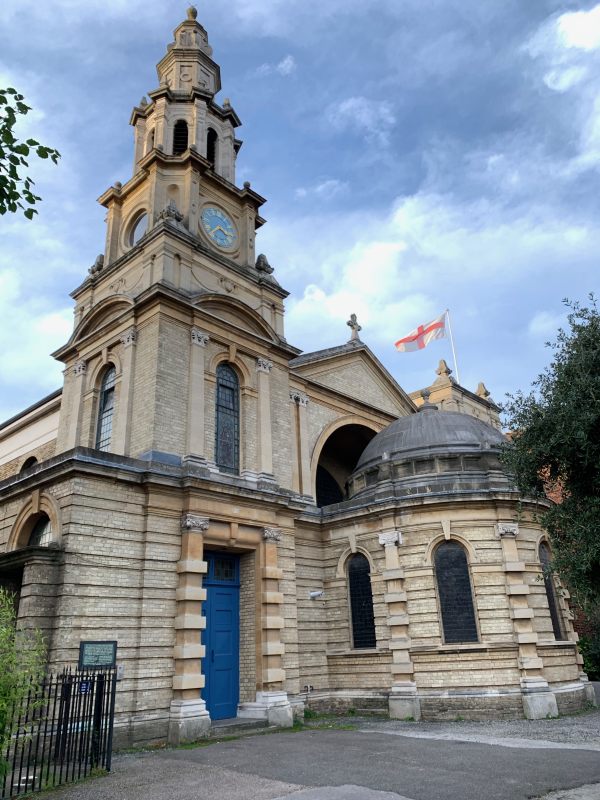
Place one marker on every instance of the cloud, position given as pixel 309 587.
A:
pixel 325 189
pixel 545 323
pixel 285 67
pixel 373 119
pixel 580 29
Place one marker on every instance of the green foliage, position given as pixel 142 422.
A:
pixel 22 666
pixel 15 190
pixel 556 449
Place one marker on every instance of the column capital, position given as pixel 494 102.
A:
pixel 199 338
pixel 272 534
pixel 129 337
pixel 299 397
pixel 507 530
pixel 264 365
pixel 192 522
pixel 390 538
pixel 80 367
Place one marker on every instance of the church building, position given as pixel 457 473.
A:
pixel 261 529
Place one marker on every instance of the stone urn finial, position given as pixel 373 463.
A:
pixel 192 12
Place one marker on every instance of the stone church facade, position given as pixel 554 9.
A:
pixel 262 529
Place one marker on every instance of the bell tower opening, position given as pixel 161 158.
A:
pixel 180 137
pixel 337 460
pixel 211 146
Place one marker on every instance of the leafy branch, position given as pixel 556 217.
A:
pixel 16 190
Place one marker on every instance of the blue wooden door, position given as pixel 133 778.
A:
pixel 221 664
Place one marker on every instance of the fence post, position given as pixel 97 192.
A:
pixel 97 719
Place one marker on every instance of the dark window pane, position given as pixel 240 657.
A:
pixel 224 569
pixel 361 602
pixel 328 491
pixel 545 560
pixel 41 535
pixel 454 590
pixel 228 420
pixel 106 409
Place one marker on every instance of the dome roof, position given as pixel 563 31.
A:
pixel 430 431
pixel 431 453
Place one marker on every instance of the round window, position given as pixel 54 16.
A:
pixel 139 229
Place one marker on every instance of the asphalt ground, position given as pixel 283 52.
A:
pixel 375 760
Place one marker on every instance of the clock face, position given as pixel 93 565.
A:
pixel 219 227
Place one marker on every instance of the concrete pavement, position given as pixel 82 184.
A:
pixel 379 760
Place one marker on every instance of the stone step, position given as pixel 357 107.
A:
pixel 236 726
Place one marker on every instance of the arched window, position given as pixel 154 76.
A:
pixel 546 562
pixel 361 602
pixel 138 229
pixel 211 146
pixel 227 444
pixel 180 137
pixel 41 533
pixel 29 463
pixel 455 594
pixel 106 407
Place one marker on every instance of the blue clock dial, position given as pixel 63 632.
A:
pixel 219 227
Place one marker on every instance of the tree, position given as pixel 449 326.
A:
pixel 16 190
pixel 555 450
pixel 22 667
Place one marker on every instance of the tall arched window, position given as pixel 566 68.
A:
pixel 546 561
pixel 150 141
pixel 227 437
pixel 361 602
pixel 106 407
pixel 41 533
pixel 211 146
pixel 180 137
pixel 455 594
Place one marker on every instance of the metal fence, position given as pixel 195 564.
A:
pixel 61 732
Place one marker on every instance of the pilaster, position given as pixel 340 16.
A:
pixel 122 427
pixel 196 406
pixel 302 473
pixel 538 701
pixel 264 430
pixel 403 700
pixel 72 431
pixel 189 719
pixel 271 698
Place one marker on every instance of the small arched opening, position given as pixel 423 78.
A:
pixel 211 146
pixel 29 463
pixel 180 137
pixel 337 460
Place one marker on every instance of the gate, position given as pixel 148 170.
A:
pixel 61 732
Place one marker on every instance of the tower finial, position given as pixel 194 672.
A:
pixel 355 327
pixel 192 12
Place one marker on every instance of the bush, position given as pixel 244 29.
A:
pixel 22 667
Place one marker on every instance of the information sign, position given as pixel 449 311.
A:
pixel 97 655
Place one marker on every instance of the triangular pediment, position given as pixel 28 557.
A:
pixel 354 371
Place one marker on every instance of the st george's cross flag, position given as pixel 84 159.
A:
pixel 421 336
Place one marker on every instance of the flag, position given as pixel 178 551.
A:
pixel 421 336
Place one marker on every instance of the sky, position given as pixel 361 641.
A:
pixel 416 155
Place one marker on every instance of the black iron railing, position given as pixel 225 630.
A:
pixel 60 733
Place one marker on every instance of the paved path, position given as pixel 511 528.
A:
pixel 378 760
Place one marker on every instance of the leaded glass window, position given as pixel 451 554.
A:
pixel 455 594
pixel 361 602
pixel 106 409
pixel 41 533
pixel 545 561
pixel 227 445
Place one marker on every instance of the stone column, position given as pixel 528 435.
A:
pixel 271 698
pixel 189 719
pixel 538 701
pixel 120 443
pixel 72 432
pixel 196 408
pixel 300 401
pixel 403 699
pixel 264 432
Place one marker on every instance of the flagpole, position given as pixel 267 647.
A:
pixel 452 345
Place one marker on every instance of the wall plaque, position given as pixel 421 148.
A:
pixel 97 655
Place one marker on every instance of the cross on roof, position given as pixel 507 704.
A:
pixel 352 323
